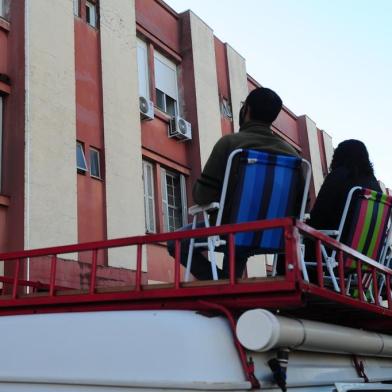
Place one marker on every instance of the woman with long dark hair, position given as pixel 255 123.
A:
pixel 350 167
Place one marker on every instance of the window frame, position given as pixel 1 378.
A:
pixel 165 202
pixel 158 56
pixel 142 45
pixel 4 9
pixel 81 170
pixel 149 197
pixel 76 8
pixel 227 111
pixel 91 6
pixel 98 155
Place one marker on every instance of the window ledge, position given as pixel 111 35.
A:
pixel 4 24
pixel 4 200
pixel 96 178
pixel 94 28
pixel 162 115
pixel 5 88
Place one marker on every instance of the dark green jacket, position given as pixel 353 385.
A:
pixel 252 135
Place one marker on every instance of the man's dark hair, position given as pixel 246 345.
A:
pixel 264 104
pixel 353 155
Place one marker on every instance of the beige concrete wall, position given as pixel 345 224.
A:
pixel 238 82
pixel 124 187
pixel 328 147
pixel 206 86
pixel 315 155
pixel 50 169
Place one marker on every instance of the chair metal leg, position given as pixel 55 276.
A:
pixel 274 264
pixel 330 263
pixel 303 265
pixel 212 258
pixel 211 248
pixel 387 261
pixel 190 253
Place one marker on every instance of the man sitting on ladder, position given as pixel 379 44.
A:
pixel 257 113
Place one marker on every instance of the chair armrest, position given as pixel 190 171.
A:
pixel 196 209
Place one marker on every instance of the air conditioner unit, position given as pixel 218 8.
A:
pixel 146 108
pixel 180 129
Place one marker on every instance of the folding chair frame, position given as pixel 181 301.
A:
pixel 215 241
pixel 330 261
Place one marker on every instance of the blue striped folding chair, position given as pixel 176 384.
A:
pixel 266 187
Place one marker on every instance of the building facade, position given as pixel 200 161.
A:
pixel 139 94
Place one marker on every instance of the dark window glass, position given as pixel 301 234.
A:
pixel 174 205
pixel 80 158
pixel 91 14
pixel 95 169
pixel 171 106
pixel 161 100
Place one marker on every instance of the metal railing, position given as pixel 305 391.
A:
pixel 233 292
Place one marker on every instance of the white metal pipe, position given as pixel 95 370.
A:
pixel 260 330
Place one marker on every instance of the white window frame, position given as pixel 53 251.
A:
pixel 226 108
pixel 158 57
pixel 148 175
pixel 81 169
pixel 2 9
pixel 93 14
pixel 76 7
pixel 1 136
pixel 98 154
pixel 143 69
pixel 165 205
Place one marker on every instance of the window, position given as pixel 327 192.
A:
pixel 173 200
pixel 149 203
pixel 142 67
pixel 166 84
pixel 226 108
pixel 91 14
pixel 4 9
pixel 1 135
pixel 76 7
pixel 95 165
pixel 81 164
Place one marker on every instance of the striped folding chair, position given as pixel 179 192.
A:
pixel 266 187
pixel 371 234
pixel 365 227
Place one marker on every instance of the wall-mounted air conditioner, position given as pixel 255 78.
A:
pixel 146 108
pixel 180 129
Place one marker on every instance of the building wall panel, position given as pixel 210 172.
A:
pixel 50 191
pixel 188 93
pixel 13 132
pixel 238 82
pixel 89 130
pixel 160 21
pixel 206 86
pixel 286 123
pixel 328 148
pixel 124 186
pixel 155 138
pixel 311 152
pixel 222 72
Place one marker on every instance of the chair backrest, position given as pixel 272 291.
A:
pixel 267 187
pixel 367 225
